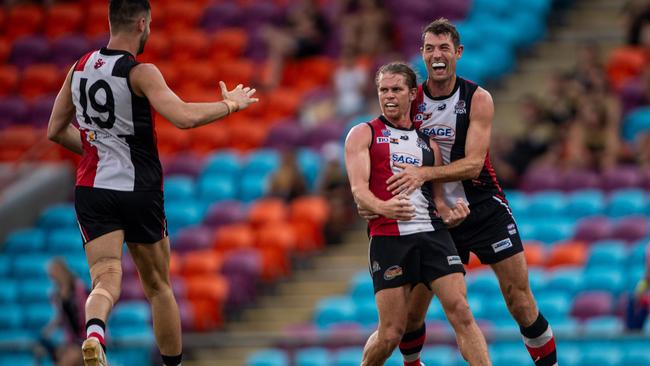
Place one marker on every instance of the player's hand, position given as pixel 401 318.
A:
pixel 366 214
pixel 454 216
pixel 399 208
pixel 241 96
pixel 407 181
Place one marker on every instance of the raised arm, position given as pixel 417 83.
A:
pixel 59 127
pixel 468 167
pixel 357 163
pixel 146 80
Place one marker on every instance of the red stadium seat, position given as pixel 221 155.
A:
pixel 207 294
pixel 188 45
pixel 24 20
pixel 201 262
pixel 233 72
pixel 209 138
pixel 40 79
pixel 283 102
pixel 170 72
pixel 8 79
pixel 156 49
pixel 534 252
pixel 236 236
pixel 16 140
pixel 310 208
pixel 276 235
pixel 63 19
pixel 474 263
pixel 170 138
pixel 95 19
pixel 199 74
pixel 248 135
pixel 571 253
pixel 275 263
pixel 5 49
pixel 3 19
pixel 625 63
pixel 182 16
pixel 314 71
pixel 174 264
pixel 267 211
pixel 308 236
pixel 228 43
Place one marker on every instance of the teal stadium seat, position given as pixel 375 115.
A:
pixel 509 353
pixel 36 316
pixel 571 355
pixel 309 163
pixel 11 317
pixel 440 356
pixel 495 309
pixel 32 266
pixel 607 253
pixel 34 291
pixel 637 256
pixel 537 279
pixel 362 118
pixel 535 28
pixel 65 241
pixel 554 304
pixel 518 203
pixel 5 266
pixel 551 230
pixel 25 241
pixel 9 290
pixel 483 282
pixel 183 214
pixel 253 186
pixel 604 279
pixel 601 354
pixel 544 205
pixel 334 310
pixel 140 335
pixel 58 216
pixel 636 122
pixel 127 356
pixel 395 359
pixel 217 187
pixel 436 312
pixel 603 326
pixel 568 280
pixel 312 356
pixel 639 356
pixel 564 326
pixel 14 359
pixel 361 287
pixel 262 161
pixel 347 356
pixel 179 188
pixel 366 313
pixel 223 163
pixel 268 357
pixel 15 338
pixel 626 202
pixel 131 313
pixel 585 203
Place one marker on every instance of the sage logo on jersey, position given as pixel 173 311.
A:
pixel 405 158
pixel 440 132
pixel 392 272
pixel 501 245
pixel 383 140
pixel 453 259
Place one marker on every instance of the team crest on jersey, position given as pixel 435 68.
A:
pixel 422 107
pixel 394 140
pixel 99 63
pixel 393 272
pixel 91 136
pixel 442 107
pixel 385 132
pixel 422 145
pixel 460 107
pixel 423 116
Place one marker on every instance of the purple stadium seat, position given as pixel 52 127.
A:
pixel 259 12
pixel 69 49
pixel 183 164
pixel 256 49
pixel 131 288
pixel 178 287
pixel 307 332
pixel 187 315
pixel 590 304
pixel 224 213
pixel 13 110
pixel 284 135
pixel 631 228
pixel 128 266
pixel 621 177
pixel 193 238
pixel 99 42
pixel 243 262
pixel 40 110
pixel 30 50
pixel 645 180
pixel 241 292
pixel 580 179
pixel 345 334
pixel 220 15
pixel 593 229
pixel 323 133
pixel 631 95
pixel 452 9
pixel 540 179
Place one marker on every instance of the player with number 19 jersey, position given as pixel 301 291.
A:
pixel 116 125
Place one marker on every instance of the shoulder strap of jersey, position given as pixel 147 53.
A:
pixel 419 99
pixel 81 63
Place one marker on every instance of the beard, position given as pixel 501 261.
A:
pixel 143 41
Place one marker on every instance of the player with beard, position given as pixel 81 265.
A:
pixel 458 114
pixel 118 194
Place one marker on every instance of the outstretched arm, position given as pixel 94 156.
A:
pixel 469 167
pixel 59 128
pixel 146 80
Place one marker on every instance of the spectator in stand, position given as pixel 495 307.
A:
pixel 366 27
pixel 559 98
pixel 350 82
pixel 638 303
pixel 287 182
pixel 304 35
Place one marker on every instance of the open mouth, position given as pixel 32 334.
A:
pixel 390 105
pixel 438 66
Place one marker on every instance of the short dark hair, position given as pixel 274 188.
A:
pixel 399 68
pixel 443 26
pixel 122 13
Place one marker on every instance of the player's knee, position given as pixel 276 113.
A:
pixel 459 313
pixel 391 336
pixel 106 276
pixel 157 286
pixel 414 320
pixel 520 302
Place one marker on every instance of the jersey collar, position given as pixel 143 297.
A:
pixel 111 52
pixel 387 123
pixel 428 94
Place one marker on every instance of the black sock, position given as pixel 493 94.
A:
pixel 411 345
pixel 540 342
pixel 172 360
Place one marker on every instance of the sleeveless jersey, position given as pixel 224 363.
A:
pixel 393 144
pixel 446 120
pixel 116 125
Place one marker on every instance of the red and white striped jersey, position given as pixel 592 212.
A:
pixel 116 125
pixel 392 144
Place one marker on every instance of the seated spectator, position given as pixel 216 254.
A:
pixel 365 28
pixel 333 185
pixel 350 82
pixel 287 182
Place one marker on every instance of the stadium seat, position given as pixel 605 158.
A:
pixel 40 79
pixel 65 241
pixel 228 44
pixel 188 46
pixel 276 235
pixel 554 304
pixel 201 74
pixel 8 80
pixel 63 19
pixel 34 291
pixel 36 316
pixel 535 253
pixel 483 282
pixel 572 253
pixel 347 356
pixel 193 238
pixel 268 357
pixel 608 279
pixel 601 354
pixel 312 356
pixel 636 123
pixel 334 310
pixel 361 287
pixel 603 326
pixel 30 266
pixel 593 229
pixel 267 211
pixel 94 20
pixel 546 204
pixel 621 177
pixel 625 63
pixel 208 138
pixel 234 236
pixel 201 262
pixel 509 353
pixel 626 202
pixel 591 304
pixel 439 356
pixel 25 241
pixel 567 280
pixel 23 20
pixel 18 358
pixel 217 187
pixel 253 186
pixel 248 135
pixel 178 188
pixel 607 253
pixel 495 309
pixel 436 312
pixel 585 203
pixel 131 313
pixel 310 208
pixel 366 313
pixel 223 213
pixel 182 214
pixel 309 163
pixel 225 162
pixel 636 357
pixel 10 291
pixel 632 228
pixel 637 255
pixel 157 48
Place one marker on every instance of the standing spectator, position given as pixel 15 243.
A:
pixel 350 81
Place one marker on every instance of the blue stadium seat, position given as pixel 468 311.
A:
pixel 534 25
pixel 366 313
pixel 58 217
pixel 334 310
pixel 476 304
pixel 15 338
pixel 126 356
pixel 25 241
pixel 639 356
pixel 607 253
pixel 223 163
pixel 18 358
pixel 30 266
pixel 601 354
pixel 554 304
pixel 570 355
pixel 568 280
pixel 626 202
pixel 564 326
pixel 503 52
pixel 179 188
pixel 604 279
pixel 472 67
pixel 554 230
pixel 217 187
pixel 5 265
pixel 495 309
pixel 637 253
pixel 262 162
pixel 603 326
pixel 508 353
pixel 183 214
pixel 65 241
pixel 253 186
pixel 546 204
pixel 483 282
pixel 131 313
pixel 268 357
pixel 636 122
pixel 632 277
pixel 11 316
pixel 585 203
pixel 347 357
pixel 309 163
pixel 496 8
pixel 140 335
pixel 361 287
pixel 312 356
pixel 439 356
pixel 9 291
pixel 36 316
pixel 34 291
pixel 537 278
pixel 362 118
